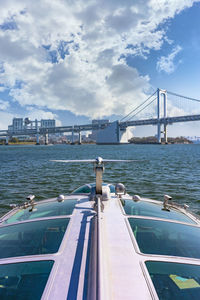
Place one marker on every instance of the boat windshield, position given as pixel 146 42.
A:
pixel 43 210
pixel 24 281
pixel 87 188
pixel 166 238
pixel 151 209
pixel 175 280
pixel 32 238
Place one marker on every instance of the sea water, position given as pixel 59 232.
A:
pixel 158 170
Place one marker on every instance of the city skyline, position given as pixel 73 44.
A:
pixel 100 59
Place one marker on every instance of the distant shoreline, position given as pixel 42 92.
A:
pixel 153 140
pixel 76 144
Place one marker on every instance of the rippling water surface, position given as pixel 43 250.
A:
pixel 162 169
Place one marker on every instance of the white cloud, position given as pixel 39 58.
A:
pixel 174 111
pixel 5 120
pixel 41 114
pixel 32 113
pixel 4 104
pixel 167 63
pixel 86 40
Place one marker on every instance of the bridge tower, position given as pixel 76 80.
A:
pixel 160 94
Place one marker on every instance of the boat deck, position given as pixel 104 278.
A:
pixel 113 249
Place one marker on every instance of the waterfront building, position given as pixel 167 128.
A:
pixel 17 124
pixel 20 124
pixel 10 128
pixel 49 123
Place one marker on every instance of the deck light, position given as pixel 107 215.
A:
pixel 60 198
pixel 120 189
pixel 31 203
pixel 136 198
pixel 165 202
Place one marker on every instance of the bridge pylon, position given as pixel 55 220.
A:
pixel 37 132
pixel 46 137
pixel 72 138
pixel 160 109
pixel 79 138
pixel 7 140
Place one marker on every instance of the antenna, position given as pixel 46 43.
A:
pixel 98 168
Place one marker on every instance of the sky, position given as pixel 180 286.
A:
pixel 75 61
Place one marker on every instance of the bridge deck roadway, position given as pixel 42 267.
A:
pixel 167 121
pixel 61 129
pixel 86 127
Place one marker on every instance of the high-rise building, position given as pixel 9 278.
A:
pixel 17 124
pixel 49 123
pixel 20 124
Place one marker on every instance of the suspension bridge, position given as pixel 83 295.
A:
pixel 160 109
pixel 163 108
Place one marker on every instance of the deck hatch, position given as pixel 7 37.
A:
pixel 166 238
pixel 24 281
pixel 43 210
pixel 175 280
pixel 32 238
pixel 150 209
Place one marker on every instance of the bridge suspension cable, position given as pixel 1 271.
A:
pixel 138 107
pixel 142 109
pixel 185 97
